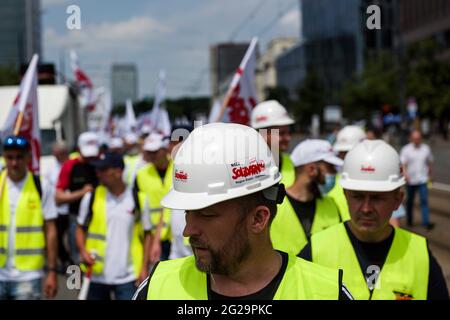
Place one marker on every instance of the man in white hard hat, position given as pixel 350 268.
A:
pixel 346 139
pixel 273 117
pixel 305 210
pixel 380 262
pixel 228 183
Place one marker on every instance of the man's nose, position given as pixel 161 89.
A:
pixel 191 228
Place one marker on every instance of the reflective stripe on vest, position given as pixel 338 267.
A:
pixel 96 238
pixel 286 231
pixel 405 271
pixel 287 170
pixel 29 238
pixel 149 182
pixel 179 279
pixel 337 194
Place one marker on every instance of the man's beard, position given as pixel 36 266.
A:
pixel 226 260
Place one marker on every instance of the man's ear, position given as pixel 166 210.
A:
pixel 260 219
pixel 399 197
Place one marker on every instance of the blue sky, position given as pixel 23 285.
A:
pixel 174 35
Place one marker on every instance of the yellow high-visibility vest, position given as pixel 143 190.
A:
pixel 287 170
pixel 29 237
pixel 180 279
pixel 130 163
pixel 149 182
pixel 286 231
pixel 337 194
pixel 404 273
pixel 96 238
pixel 74 155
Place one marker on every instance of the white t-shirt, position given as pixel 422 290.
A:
pixel 180 247
pixel 118 266
pixel 416 161
pixel 9 272
pixel 52 178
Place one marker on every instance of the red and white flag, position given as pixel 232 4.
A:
pixel 26 103
pixel 86 88
pixel 241 95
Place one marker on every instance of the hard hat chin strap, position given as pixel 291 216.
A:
pixel 275 193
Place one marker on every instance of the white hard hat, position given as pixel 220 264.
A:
pixel 313 150
pixel 372 165
pixel 270 114
pixel 348 137
pixel 219 162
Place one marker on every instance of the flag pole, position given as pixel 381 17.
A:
pixel 237 77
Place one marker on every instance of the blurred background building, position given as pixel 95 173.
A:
pixel 124 83
pixel 20 31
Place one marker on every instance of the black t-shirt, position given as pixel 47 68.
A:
pixel 162 174
pixel 266 293
pixel 82 173
pixel 305 212
pixel 376 254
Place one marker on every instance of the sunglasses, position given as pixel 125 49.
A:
pixel 16 142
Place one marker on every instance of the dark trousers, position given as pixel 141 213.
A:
pixel 62 228
pixel 423 194
pixel 99 291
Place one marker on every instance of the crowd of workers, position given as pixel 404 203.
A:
pixel 223 213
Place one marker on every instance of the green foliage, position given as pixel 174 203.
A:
pixel 9 76
pixel 312 98
pixel 372 89
pixel 428 78
pixel 281 94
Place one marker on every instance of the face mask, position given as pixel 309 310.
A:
pixel 330 180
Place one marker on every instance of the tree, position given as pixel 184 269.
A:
pixel 372 89
pixel 312 98
pixel 281 94
pixel 428 78
pixel 9 76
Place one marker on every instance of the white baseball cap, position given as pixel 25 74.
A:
pixel 313 150
pixel 89 144
pixel 131 138
pixel 154 142
pixel 115 143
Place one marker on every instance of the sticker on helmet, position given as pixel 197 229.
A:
pixel 180 175
pixel 247 171
pixel 368 169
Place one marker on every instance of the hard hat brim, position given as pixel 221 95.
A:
pixel 342 147
pixel 374 186
pixel 281 122
pixel 194 201
pixel 334 160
